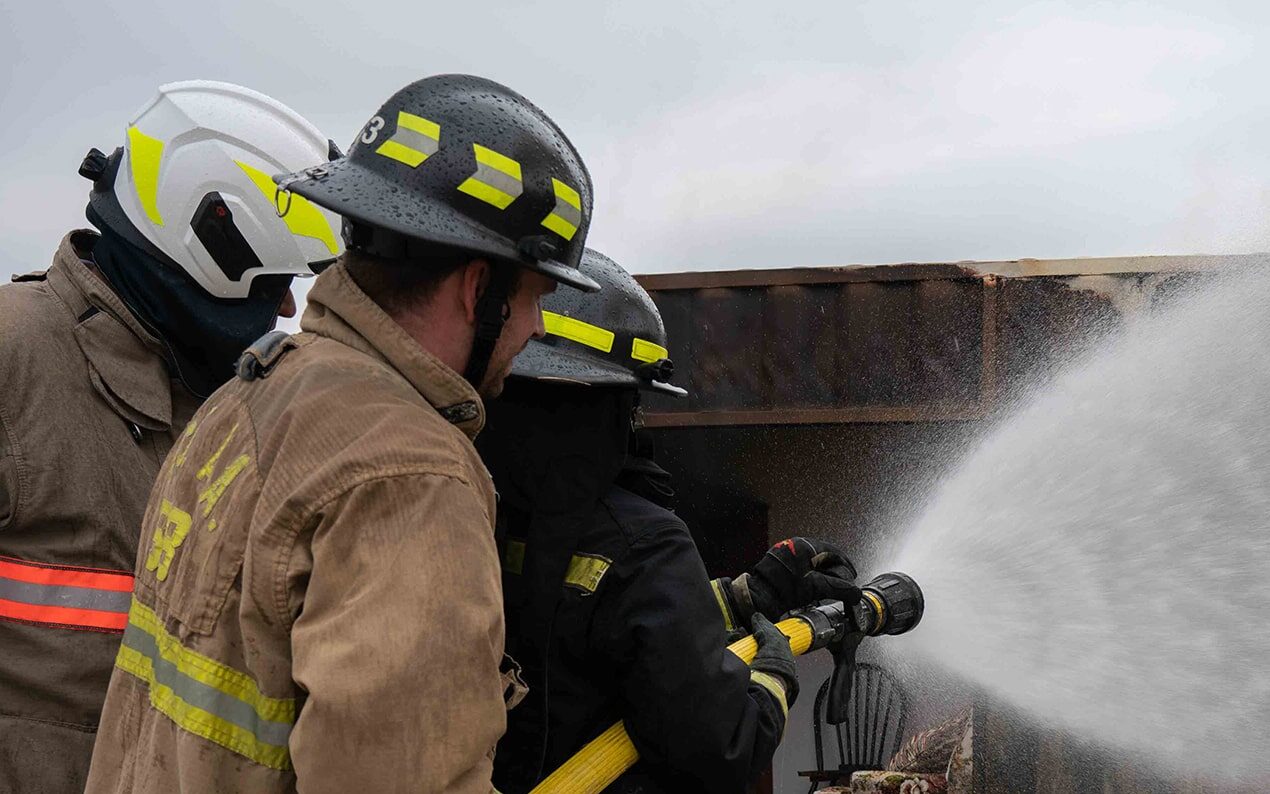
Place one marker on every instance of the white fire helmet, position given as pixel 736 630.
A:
pixel 196 180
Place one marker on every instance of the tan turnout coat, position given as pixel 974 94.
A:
pixel 318 601
pixel 87 413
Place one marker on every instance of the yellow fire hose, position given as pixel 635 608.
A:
pixel 891 603
pixel 605 758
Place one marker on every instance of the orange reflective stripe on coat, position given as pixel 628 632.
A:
pixel 64 596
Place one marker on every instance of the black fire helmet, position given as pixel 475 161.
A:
pixel 616 338
pixel 464 162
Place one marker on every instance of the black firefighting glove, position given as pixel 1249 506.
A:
pixel 774 656
pixel 793 574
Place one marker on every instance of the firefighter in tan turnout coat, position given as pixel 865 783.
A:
pixel 103 359
pixel 317 603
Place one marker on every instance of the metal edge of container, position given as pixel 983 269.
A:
pixel 990 274
pixel 913 271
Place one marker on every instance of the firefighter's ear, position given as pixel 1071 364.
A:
pixel 473 279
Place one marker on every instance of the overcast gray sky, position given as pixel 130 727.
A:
pixel 732 134
pixel 728 134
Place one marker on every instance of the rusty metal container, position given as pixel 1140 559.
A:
pixel 828 401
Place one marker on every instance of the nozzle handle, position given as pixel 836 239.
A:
pixel 836 711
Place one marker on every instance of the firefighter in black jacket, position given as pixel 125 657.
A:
pixel 609 607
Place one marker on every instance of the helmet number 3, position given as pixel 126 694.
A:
pixel 372 129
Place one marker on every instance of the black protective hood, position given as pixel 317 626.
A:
pixel 203 335
pixel 642 476
pixel 555 449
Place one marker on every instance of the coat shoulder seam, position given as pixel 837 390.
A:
pixel 292 532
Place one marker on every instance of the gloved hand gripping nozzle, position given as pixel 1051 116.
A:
pixel 891 603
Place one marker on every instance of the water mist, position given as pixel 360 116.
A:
pixel 1102 560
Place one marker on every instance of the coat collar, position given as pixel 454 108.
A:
pixel 126 363
pixel 340 310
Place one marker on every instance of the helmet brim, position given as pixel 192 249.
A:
pixel 560 273
pixel 540 361
pixel 344 185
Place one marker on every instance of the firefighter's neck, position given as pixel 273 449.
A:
pixel 444 323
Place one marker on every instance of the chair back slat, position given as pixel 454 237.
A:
pixel 875 721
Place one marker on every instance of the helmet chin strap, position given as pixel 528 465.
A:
pixel 492 311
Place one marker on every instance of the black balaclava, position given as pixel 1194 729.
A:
pixel 203 335
pixel 556 448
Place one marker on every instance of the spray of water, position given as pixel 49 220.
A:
pixel 1102 561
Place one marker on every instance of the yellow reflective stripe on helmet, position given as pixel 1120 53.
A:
pixel 204 696
pixel 144 155
pixel 586 570
pixel 302 218
pixel 578 331
pixel 394 150
pixel 497 179
pixel 728 622
pixel 567 214
pixel 774 685
pixel 415 140
pixel 643 350
pixel 425 127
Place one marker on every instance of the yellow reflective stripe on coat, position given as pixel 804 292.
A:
pixel 644 350
pixel 204 696
pixel 144 155
pixel 578 331
pixel 729 623
pixel 586 570
pixel 415 140
pixel 302 218
pixel 772 684
pixel 566 217
pixel 497 179
pixel 514 557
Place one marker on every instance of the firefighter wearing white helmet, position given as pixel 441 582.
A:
pixel 193 235
pixel 104 357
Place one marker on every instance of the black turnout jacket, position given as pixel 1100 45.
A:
pixel 609 608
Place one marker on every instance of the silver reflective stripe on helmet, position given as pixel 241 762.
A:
pixel 497 179
pixel 415 140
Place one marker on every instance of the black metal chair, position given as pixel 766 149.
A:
pixel 873 730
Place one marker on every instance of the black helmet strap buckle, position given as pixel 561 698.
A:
pixel 96 164
pixel 538 247
pixel 492 311
pixel 663 369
